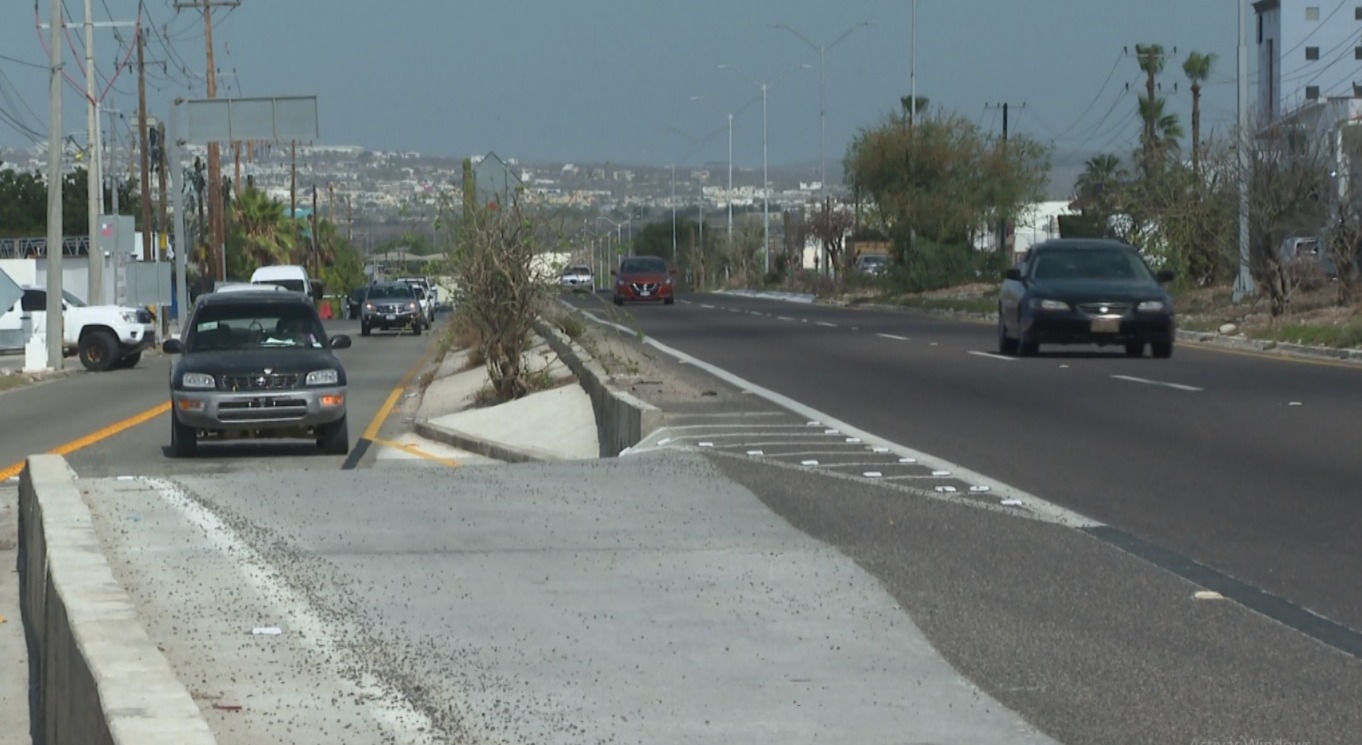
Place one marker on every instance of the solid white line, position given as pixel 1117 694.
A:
pixel 387 705
pixel 891 336
pixel 828 325
pixel 1178 386
pixel 1038 507
pixel 993 356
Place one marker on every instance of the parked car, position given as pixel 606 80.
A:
pixel 105 336
pixel 578 278
pixel 1081 291
pixel 872 264
pixel 392 305
pixel 643 279
pixel 256 365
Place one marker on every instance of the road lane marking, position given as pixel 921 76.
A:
pixel 93 437
pixel 892 336
pixel 784 318
pixel 371 432
pixel 991 355
pixel 418 452
pixel 707 307
pixel 826 324
pixel 1178 386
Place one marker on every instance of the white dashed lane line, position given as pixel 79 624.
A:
pixel 991 355
pixel 826 324
pixel 784 318
pixel 1177 386
pixel 891 336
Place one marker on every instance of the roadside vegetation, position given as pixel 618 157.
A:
pixel 932 193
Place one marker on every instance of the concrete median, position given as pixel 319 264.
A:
pixel 623 420
pixel 100 678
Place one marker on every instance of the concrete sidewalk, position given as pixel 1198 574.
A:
pixel 14 677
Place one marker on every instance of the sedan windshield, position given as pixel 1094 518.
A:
pixel 1113 264
pixel 643 265
pixel 235 327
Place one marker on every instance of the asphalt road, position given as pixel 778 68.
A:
pixel 112 417
pixel 1244 463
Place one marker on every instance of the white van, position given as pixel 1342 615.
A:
pixel 291 277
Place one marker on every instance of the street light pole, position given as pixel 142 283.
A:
pixel 765 175
pixel 730 181
pixel 1244 283
pixel 822 106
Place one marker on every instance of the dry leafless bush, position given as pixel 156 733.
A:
pixel 499 295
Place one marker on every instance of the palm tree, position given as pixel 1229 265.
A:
pixel 1097 186
pixel 268 235
pixel 1151 59
pixel 1161 130
pixel 1197 68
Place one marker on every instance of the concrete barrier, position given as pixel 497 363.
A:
pixel 622 419
pixel 100 678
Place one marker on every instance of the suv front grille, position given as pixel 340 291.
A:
pixel 261 382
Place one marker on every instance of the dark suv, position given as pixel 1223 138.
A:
pixel 392 305
pixel 255 365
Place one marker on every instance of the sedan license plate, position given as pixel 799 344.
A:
pixel 1106 325
pixel 392 317
pixel 644 293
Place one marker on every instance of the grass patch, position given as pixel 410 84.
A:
pixel 1338 336
pixel 570 325
pixel 12 381
pixel 950 304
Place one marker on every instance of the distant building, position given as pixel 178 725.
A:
pixel 1307 51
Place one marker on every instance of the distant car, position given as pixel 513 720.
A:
pixel 578 278
pixel 872 264
pixel 643 279
pixel 256 365
pixel 1080 291
pixel 392 305
pixel 354 302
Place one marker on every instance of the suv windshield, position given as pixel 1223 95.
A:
pixel 400 291
pixel 255 326
pixel 1090 263
pixel 643 265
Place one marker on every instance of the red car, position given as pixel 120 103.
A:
pixel 643 279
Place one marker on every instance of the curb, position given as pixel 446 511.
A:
pixel 1203 338
pixel 482 446
pixel 622 419
pixel 99 677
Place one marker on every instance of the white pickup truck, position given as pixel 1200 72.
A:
pixel 105 336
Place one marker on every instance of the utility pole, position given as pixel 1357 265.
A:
pixel 54 235
pixel 216 221
pixel 730 181
pixel 293 181
pixel 316 239
pixel 143 144
pixel 1244 283
pixel 162 222
pixel 1003 258
pixel 94 184
pixel 349 221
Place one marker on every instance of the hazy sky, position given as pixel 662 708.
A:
pixel 595 80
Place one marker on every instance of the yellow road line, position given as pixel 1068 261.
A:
pixel 371 432
pixel 418 452
pixel 93 437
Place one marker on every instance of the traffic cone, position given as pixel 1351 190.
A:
pixel 326 310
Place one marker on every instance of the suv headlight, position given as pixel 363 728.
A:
pixel 1041 304
pixel 197 380
pixel 323 377
pixel 129 316
pixel 1150 306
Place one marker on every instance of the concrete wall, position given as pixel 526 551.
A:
pixel 622 420
pixel 101 680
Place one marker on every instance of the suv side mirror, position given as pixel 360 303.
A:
pixel 1164 275
pixel 172 346
pixel 340 341
pixel 1014 274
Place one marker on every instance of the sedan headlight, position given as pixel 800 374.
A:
pixel 1042 304
pixel 1151 306
pixel 197 380
pixel 323 377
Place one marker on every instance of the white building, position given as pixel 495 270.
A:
pixel 1308 50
